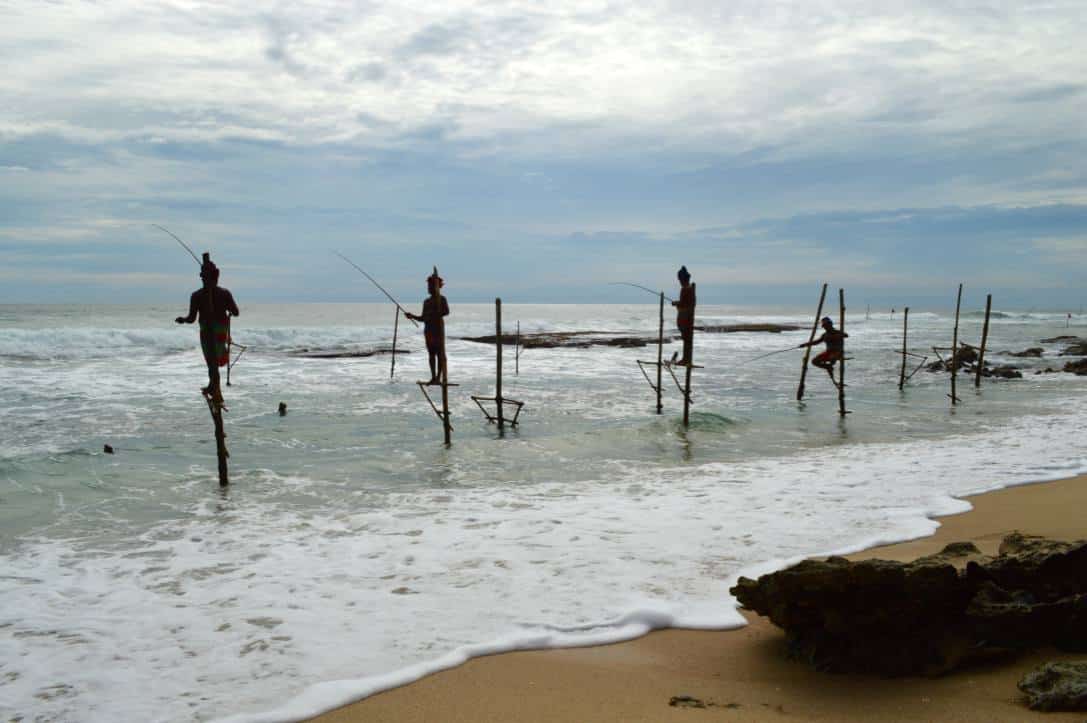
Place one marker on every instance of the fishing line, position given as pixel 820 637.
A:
pixel 639 286
pixel 763 356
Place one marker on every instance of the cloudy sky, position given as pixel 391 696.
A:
pixel 537 150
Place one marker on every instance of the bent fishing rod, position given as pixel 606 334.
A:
pixel 379 286
pixel 639 286
pixel 183 244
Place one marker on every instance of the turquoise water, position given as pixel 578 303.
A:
pixel 352 543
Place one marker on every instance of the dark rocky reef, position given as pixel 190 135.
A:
pixel 1056 686
pixel 1078 368
pixel 569 339
pixel 1035 352
pixel 931 615
pixel 585 339
pixel 967 364
pixel 344 353
pixel 737 328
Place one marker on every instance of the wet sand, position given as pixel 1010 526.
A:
pixel 743 675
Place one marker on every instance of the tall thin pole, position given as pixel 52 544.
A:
pixel 955 349
pixel 905 329
pixel 841 369
pixel 984 340
pixel 807 350
pixel 517 351
pixel 498 362
pixel 436 296
pixel 687 378
pixel 216 406
pixel 660 355
pixel 396 329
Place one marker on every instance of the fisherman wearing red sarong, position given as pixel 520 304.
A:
pixel 214 306
pixel 435 309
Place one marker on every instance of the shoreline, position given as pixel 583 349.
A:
pixel 742 674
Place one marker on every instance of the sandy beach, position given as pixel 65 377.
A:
pixel 743 675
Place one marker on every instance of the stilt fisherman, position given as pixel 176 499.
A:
pixel 685 315
pixel 835 341
pixel 214 306
pixel 435 309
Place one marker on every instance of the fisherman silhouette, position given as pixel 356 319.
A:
pixel 433 326
pixel 835 341
pixel 685 315
pixel 214 306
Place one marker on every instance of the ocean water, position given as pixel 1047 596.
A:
pixel 354 551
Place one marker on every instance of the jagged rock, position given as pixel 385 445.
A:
pixel 1056 686
pixel 1034 352
pixel 876 615
pixel 968 356
pixel 1078 349
pixel 929 615
pixel 1079 368
pixel 1004 371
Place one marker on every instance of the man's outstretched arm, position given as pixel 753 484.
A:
pixel 192 311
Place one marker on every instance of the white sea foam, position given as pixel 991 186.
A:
pixel 353 548
pixel 249 599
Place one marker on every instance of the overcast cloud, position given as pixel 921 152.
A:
pixel 894 148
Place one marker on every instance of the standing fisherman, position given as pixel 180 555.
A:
pixel 435 308
pixel 214 306
pixel 835 341
pixel 685 315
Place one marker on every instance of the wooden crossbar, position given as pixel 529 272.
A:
pixel 494 417
pixel 422 388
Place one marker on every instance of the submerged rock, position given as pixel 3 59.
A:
pixel 1056 686
pixel 737 328
pixel 1005 371
pixel 1035 352
pixel 344 353
pixel 930 615
pixel 1079 368
pixel 569 339
pixel 585 339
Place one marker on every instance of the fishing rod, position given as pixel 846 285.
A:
pixel 183 244
pixel 639 286
pixel 763 356
pixel 374 282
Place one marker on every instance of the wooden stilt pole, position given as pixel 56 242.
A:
pixel 517 351
pixel 436 296
pixel 905 329
pixel 215 404
pixel 955 350
pixel 396 329
pixel 220 442
pixel 841 368
pixel 687 376
pixel 807 350
pixel 498 363
pixel 984 340
pixel 660 356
